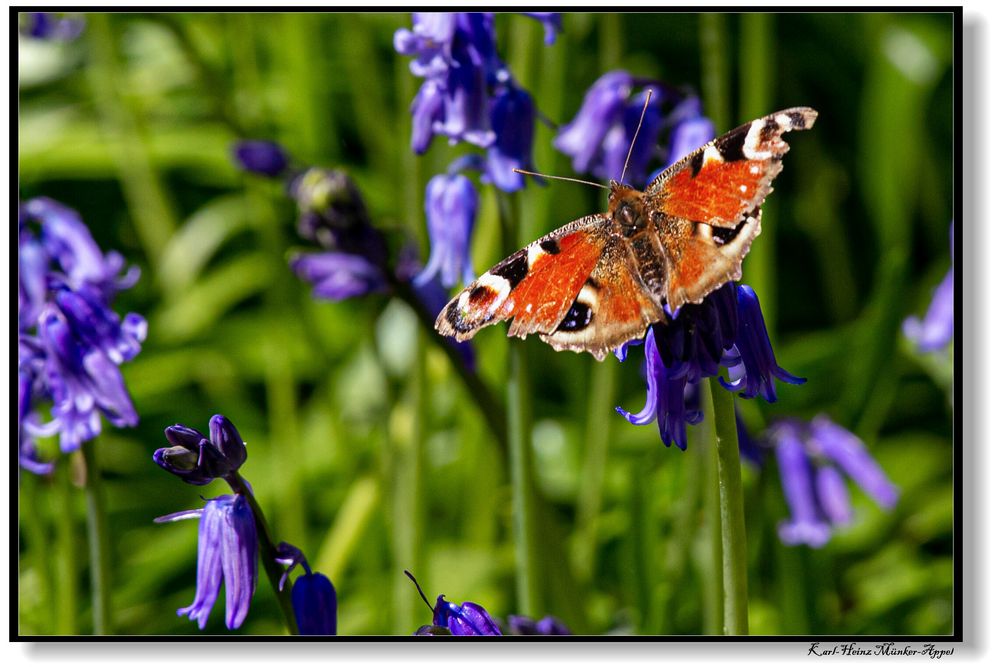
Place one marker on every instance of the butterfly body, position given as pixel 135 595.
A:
pixel 598 282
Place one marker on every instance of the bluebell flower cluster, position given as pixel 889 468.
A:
pixel 227 552
pixel 599 136
pixel 937 327
pixel 725 331
pixel 70 341
pixel 813 459
pixel 48 26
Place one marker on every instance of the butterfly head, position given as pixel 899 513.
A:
pixel 627 208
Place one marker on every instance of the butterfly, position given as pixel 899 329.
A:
pixel 598 282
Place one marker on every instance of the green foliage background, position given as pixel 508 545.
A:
pixel 364 449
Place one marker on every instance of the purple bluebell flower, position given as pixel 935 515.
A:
pixel 338 275
pixel 602 107
pixel 464 620
pixel 314 599
pixel 813 459
pixel 450 204
pixel 513 119
pixel 83 383
pixel 523 625
pixel 198 459
pixel 937 328
pixel 552 22
pixel 427 110
pixel 266 158
pixel 45 25
pixel 806 525
pixel 429 42
pixel 664 400
pixel 726 330
pixel 465 105
pixel 618 140
pixel 752 364
pixel 333 214
pixel 227 552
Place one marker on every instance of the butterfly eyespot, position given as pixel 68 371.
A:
pixel 577 318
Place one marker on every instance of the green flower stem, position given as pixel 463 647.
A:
pixel 715 68
pixel 66 551
pixel 525 515
pixel 733 524
pixel 713 574
pixel 97 541
pixel 268 551
pixel 756 76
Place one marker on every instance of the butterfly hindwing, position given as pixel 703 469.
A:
pixel 535 286
pixel 731 175
pixel 611 308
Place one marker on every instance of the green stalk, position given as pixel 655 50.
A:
pixel 715 68
pixel 713 575
pixel 66 550
pixel 97 541
pixel 527 565
pixel 268 551
pixel 756 93
pixel 732 521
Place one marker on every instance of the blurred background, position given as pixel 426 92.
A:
pixel 364 448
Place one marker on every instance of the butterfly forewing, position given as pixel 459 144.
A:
pixel 731 175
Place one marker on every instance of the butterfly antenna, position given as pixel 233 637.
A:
pixel 419 590
pixel 649 94
pixel 559 178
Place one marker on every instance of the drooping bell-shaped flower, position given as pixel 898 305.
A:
pixel 451 204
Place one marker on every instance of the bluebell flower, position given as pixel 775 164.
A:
pixel 665 401
pixel 464 620
pixel 427 110
pixel 266 158
pixel 813 459
pixel 552 21
pixel 513 119
pixel 227 552
pixel 450 204
pixel 726 330
pixel 753 366
pixel 45 25
pixel 937 328
pixel 338 275
pixel 523 625
pixel 603 105
pixel 429 42
pixel 465 104
pixel 27 422
pixel 314 599
pixel 198 459
pixel 618 140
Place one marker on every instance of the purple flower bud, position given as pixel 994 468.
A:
pixel 266 158
pixel 227 552
pixel 552 22
pixel 465 620
pixel 806 525
pixel 198 460
pixel 315 603
pixel 832 495
pixel 522 625
pixel 513 120
pixel 757 368
pixel 451 203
